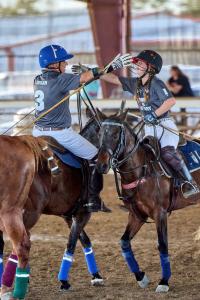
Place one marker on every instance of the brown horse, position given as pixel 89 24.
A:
pixel 145 191
pixel 27 190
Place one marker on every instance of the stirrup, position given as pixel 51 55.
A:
pixel 191 192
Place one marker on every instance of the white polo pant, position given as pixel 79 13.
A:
pixel 71 140
pixel 166 137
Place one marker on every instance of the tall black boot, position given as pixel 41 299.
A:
pixel 95 202
pixel 189 187
pixel 174 159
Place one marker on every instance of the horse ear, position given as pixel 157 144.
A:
pixel 101 115
pixel 123 116
pixel 88 113
pixel 122 107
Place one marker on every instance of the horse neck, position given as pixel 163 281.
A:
pixel 134 163
pixel 90 132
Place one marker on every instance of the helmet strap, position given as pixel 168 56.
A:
pixel 59 67
pixel 49 68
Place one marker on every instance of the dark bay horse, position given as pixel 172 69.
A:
pixel 146 193
pixel 27 190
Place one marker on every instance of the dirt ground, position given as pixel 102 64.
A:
pixel 49 241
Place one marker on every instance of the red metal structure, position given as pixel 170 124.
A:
pixel 110 20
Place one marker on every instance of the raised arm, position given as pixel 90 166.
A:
pixel 111 78
pixel 88 74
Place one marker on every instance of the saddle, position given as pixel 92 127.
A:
pixel 189 150
pixel 152 144
pixel 58 152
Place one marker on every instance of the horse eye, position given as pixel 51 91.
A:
pixel 115 136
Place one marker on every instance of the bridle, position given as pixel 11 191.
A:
pixel 115 163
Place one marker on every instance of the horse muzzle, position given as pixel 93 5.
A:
pixel 103 162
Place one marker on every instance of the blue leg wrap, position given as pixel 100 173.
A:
pixel 1 267
pixel 165 265
pixel 129 256
pixel 65 266
pixel 90 260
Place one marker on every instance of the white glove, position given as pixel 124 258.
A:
pixel 79 69
pixel 122 61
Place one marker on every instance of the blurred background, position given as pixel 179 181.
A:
pixel 96 31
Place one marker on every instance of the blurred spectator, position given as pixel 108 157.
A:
pixel 179 83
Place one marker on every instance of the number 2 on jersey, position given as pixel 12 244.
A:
pixel 39 100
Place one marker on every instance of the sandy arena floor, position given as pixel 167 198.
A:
pixel 49 241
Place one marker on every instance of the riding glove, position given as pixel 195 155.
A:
pixel 151 118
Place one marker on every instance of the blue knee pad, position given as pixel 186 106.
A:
pixel 165 265
pixel 1 267
pixel 65 266
pixel 90 260
pixel 129 256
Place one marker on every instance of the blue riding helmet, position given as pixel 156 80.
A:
pixel 53 54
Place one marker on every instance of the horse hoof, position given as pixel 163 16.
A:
pixel 144 282
pixel 65 286
pixel 6 296
pixel 97 280
pixel 162 288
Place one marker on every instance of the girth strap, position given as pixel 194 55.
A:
pixel 133 184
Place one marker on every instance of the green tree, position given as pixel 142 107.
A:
pixel 21 7
pixel 148 3
pixel 26 6
pixel 191 7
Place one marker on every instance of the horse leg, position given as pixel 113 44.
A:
pixel 1 255
pixel 13 223
pixel 93 269
pixel 133 226
pixel 161 226
pixel 9 275
pixel 77 226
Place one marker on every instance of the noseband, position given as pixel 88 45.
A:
pixel 121 144
pixel 115 163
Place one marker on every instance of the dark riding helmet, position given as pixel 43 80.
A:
pixel 150 57
pixel 53 54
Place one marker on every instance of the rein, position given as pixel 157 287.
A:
pixel 115 163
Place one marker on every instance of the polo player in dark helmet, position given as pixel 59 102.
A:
pixel 155 101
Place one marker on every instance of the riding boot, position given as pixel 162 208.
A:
pixel 174 159
pixel 95 202
pixel 189 187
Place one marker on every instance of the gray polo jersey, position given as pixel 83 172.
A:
pixel 49 88
pixel 157 95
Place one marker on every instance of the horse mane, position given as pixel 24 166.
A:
pixel 35 145
pixel 87 126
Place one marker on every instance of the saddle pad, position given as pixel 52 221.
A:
pixel 191 152
pixel 69 159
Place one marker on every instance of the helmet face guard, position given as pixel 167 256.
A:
pixel 52 54
pixel 151 58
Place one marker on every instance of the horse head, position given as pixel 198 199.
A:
pixel 112 140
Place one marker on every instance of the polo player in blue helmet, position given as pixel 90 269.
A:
pixel 50 87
